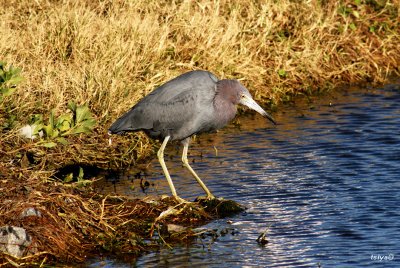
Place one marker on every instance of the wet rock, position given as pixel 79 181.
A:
pixel 31 212
pixel 174 228
pixel 220 207
pixel 174 231
pixel 14 241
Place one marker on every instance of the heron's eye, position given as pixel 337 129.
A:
pixel 242 96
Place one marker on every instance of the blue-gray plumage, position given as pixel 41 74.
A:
pixel 192 103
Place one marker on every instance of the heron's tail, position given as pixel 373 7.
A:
pixel 134 120
pixel 122 125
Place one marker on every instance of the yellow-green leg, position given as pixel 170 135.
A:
pixel 160 155
pixel 186 164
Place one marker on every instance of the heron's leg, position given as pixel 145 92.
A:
pixel 160 155
pixel 186 164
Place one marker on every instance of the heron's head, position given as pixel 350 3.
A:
pixel 240 95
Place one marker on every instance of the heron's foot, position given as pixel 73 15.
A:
pixel 180 200
pixel 174 198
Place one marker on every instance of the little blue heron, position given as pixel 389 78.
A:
pixel 192 103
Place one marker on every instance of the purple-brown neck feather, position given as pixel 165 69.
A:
pixel 229 90
pixel 225 101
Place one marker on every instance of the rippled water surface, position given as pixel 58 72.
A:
pixel 324 183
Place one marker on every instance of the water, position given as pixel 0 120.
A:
pixel 324 183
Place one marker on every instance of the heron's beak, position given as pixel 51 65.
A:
pixel 249 102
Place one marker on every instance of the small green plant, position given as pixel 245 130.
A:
pixel 344 10
pixel 80 180
pixel 78 120
pixel 9 79
pixel 282 73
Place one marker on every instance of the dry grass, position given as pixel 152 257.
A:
pixel 76 223
pixel 111 53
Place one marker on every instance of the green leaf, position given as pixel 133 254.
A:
pixel 77 130
pixel 83 183
pixel 80 176
pixel 49 144
pixel 48 131
pixel 72 106
pixel 62 118
pixel 62 140
pixel 55 133
pixel 69 177
pixel 372 29
pixel 37 118
pixel 15 80
pixel 65 126
pixel 36 128
pixel 82 113
pixel 8 91
pixel 51 118
pixel 8 80
pixel 63 122
pixel 353 26
pixel 89 123
pixel 282 73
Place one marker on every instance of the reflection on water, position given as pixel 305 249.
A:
pixel 324 182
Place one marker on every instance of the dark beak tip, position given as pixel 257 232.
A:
pixel 270 118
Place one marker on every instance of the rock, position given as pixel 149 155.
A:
pixel 31 212
pixel 220 207
pixel 14 241
pixel 173 228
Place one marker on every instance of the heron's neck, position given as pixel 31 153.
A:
pixel 225 109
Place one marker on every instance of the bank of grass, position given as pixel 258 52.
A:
pixel 109 54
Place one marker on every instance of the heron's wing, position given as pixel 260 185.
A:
pixel 190 81
pixel 183 115
pixel 171 106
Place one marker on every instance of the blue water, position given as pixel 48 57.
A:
pixel 324 184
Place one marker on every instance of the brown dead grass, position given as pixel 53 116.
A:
pixel 112 53
pixel 76 223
